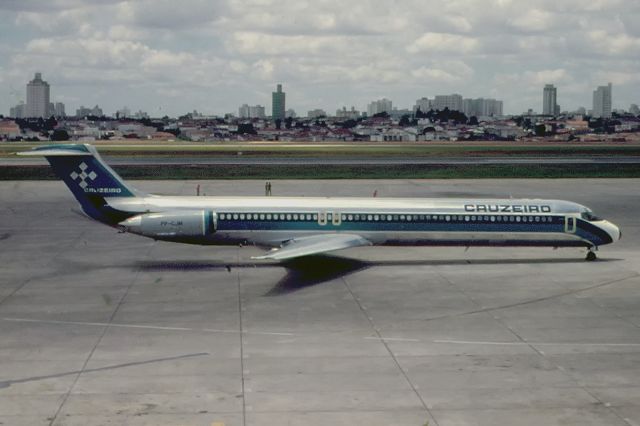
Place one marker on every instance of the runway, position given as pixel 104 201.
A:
pixel 100 328
pixel 150 160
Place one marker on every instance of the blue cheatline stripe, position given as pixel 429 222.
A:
pixel 584 230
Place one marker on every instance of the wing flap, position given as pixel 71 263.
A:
pixel 315 244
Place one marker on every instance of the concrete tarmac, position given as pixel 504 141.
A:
pixel 103 328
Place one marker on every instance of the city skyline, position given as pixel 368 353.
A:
pixel 215 56
pixel 38 105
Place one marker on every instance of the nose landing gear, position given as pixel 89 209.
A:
pixel 591 254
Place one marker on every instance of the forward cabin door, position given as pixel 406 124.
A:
pixel 570 224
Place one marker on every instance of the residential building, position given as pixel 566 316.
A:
pixel 549 100
pixel 18 111
pixel 37 97
pixel 246 111
pixel 381 105
pixel 140 115
pixel 123 112
pixel 352 114
pixel 290 113
pixel 316 113
pixel 424 104
pixel 9 129
pixel 96 111
pixel 452 102
pixel 482 107
pixel 602 100
pixel 58 110
pixel 278 103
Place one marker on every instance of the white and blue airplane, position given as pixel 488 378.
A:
pixel 300 226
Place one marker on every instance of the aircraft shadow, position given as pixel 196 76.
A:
pixel 312 270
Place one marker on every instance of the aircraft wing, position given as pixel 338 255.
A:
pixel 315 244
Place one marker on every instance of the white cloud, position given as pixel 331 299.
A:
pixel 440 42
pixel 327 51
pixel 446 72
pixel 614 44
pixel 534 20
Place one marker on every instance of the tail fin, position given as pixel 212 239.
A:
pixel 88 177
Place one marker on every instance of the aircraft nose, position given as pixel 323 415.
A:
pixel 613 231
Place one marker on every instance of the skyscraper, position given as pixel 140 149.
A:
pixel 37 97
pixel 453 102
pixel 549 100
pixel 59 110
pixel 602 100
pixel 381 105
pixel 278 104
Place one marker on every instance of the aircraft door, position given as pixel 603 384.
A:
pixel 570 224
pixel 211 222
pixel 322 218
pixel 337 219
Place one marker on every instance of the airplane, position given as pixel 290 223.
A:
pixel 294 227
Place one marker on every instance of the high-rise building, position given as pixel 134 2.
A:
pixel 18 111
pixel 58 110
pixel 316 113
pixel 246 111
pixel 82 112
pixel 549 100
pixel 278 104
pixel 381 105
pixel 481 107
pixel 349 114
pixel 123 112
pixel 453 102
pixel 602 100
pixel 424 104
pixel 290 113
pixel 37 97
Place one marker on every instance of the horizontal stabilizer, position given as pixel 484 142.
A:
pixel 63 150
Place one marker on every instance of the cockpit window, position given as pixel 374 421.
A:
pixel 588 215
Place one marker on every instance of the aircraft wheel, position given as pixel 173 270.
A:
pixel 591 256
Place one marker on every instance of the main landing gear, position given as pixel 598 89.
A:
pixel 591 254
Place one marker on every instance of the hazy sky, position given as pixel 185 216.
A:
pixel 170 57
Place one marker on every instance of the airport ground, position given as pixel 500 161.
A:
pixel 103 328
pixel 137 159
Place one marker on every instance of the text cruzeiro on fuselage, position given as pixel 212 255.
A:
pixel 507 208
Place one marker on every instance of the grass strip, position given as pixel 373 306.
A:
pixel 411 171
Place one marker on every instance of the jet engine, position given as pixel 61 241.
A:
pixel 172 225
